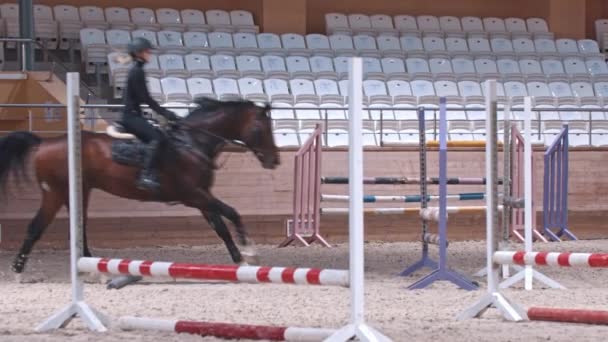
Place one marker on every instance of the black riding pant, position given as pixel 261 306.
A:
pixel 146 132
pixel 141 128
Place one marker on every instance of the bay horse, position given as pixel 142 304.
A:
pixel 186 167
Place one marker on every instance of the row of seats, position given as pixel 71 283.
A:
pixel 93 16
pixel 269 66
pixel 59 24
pixel 293 133
pixel 342 44
pixel 428 24
pixel 391 99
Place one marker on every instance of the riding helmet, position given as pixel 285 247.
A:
pixel 138 45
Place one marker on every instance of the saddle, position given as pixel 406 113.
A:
pixel 128 150
pixel 117 131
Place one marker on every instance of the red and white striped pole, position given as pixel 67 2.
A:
pixel 568 315
pixel 551 259
pixel 235 273
pixel 227 330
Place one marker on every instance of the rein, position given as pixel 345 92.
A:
pixel 207 132
pixel 223 140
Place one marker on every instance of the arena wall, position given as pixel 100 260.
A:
pixel 264 198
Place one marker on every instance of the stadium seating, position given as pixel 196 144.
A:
pixel 408 61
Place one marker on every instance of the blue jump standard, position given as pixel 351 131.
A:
pixel 441 271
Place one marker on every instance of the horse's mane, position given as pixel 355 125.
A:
pixel 208 105
pixel 207 108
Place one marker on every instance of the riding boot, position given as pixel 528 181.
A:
pixel 148 179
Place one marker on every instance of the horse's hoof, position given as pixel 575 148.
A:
pixel 104 279
pixel 19 278
pixel 250 256
pixel 19 264
pixel 92 278
pixel 120 282
pixel 252 261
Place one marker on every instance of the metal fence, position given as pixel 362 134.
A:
pixel 110 112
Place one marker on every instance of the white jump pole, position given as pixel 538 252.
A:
pixel 528 273
pixel 78 307
pixel 357 327
pixel 493 298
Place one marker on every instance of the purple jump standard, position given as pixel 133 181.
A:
pixel 441 270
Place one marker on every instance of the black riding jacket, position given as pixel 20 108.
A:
pixel 136 93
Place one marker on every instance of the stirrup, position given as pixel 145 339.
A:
pixel 148 181
pixel 147 184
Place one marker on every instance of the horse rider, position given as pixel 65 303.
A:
pixel 136 93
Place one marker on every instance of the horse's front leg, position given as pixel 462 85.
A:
pixel 213 209
pixel 231 214
pixel 215 221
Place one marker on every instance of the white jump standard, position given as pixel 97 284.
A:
pixel 357 328
pixel 354 277
pixel 494 257
pixel 94 320
pixel 493 298
pixel 528 274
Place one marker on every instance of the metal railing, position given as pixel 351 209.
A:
pixel 381 120
pixel 379 124
pixel 90 119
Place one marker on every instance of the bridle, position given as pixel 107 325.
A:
pixel 224 141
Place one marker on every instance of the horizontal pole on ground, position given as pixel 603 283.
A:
pixel 568 315
pixel 226 330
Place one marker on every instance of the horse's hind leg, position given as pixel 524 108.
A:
pixel 51 203
pixel 216 222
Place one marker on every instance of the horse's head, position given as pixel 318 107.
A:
pixel 256 133
pixel 239 120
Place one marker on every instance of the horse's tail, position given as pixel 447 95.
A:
pixel 14 149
